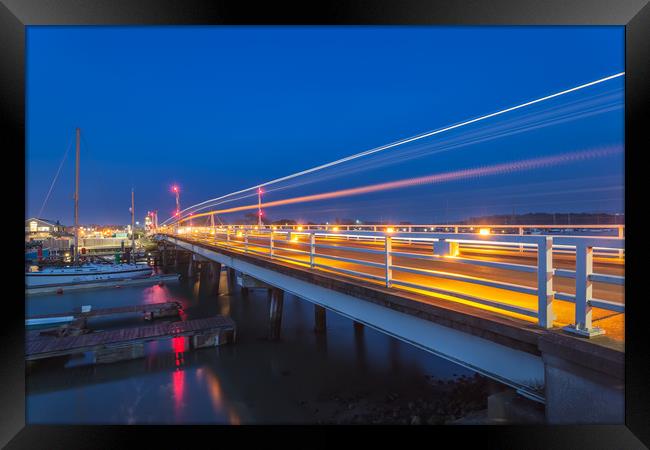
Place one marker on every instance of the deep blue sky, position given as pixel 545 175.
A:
pixel 217 109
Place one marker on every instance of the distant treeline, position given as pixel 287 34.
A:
pixel 549 219
pixel 501 219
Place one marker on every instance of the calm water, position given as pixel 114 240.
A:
pixel 252 381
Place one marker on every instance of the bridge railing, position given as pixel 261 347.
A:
pixel 591 230
pixel 385 257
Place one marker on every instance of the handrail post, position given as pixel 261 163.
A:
pixel 584 287
pixel 389 260
pixel 521 233
pixel 620 236
pixel 312 249
pixel 271 243
pixel 545 293
pixel 245 240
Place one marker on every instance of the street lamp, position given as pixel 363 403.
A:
pixel 176 191
pixel 259 207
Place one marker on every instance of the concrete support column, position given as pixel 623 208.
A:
pixel 216 271
pixel 164 257
pixel 210 277
pixel 581 389
pixel 203 269
pixel 358 326
pixel 230 280
pixel 190 267
pixel 275 313
pixel 320 319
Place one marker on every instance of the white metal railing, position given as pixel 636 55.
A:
pixel 595 230
pixel 301 245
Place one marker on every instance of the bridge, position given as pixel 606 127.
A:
pixel 539 308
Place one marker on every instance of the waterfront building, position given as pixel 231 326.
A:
pixel 39 229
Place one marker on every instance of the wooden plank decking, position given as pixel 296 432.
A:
pixel 41 347
pixel 147 307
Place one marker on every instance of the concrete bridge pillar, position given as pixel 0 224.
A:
pixel 358 326
pixel 190 267
pixel 210 277
pixel 580 388
pixel 216 273
pixel 164 256
pixel 275 313
pixel 230 281
pixel 320 319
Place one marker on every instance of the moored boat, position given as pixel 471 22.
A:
pixel 60 276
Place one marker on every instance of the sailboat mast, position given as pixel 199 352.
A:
pixel 132 227
pixel 76 202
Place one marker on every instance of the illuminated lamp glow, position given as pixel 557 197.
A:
pixel 390 230
pixel 335 229
pixel 484 231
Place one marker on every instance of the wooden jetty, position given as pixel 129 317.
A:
pixel 149 311
pixel 128 343
pixel 60 289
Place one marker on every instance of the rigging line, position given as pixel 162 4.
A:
pixel 55 178
pixel 413 138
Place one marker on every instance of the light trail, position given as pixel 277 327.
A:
pixel 496 169
pixel 445 145
pixel 405 141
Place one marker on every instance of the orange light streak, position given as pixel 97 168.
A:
pixel 496 169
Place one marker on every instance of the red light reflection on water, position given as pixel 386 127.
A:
pixel 178 375
pixel 178 344
pixel 156 294
pixel 178 386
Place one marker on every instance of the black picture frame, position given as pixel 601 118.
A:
pixel 15 15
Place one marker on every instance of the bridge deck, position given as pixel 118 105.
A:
pixel 611 322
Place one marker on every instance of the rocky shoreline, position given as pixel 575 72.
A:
pixel 434 402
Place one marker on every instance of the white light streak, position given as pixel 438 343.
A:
pixel 405 141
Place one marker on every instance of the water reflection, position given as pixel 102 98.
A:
pixel 178 385
pixel 252 381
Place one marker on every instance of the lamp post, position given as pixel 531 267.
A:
pixel 176 191
pixel 259 207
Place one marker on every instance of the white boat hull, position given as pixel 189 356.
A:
pixel 69 276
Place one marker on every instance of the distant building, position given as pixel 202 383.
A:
pixel 39 229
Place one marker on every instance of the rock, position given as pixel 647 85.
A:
pixel 350 406
pixel 415 420
pixel 435 420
